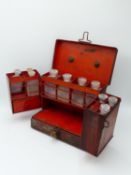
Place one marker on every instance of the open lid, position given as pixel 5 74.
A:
pixel 82 59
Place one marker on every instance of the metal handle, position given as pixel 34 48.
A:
pixel 106 124
pixel 85 38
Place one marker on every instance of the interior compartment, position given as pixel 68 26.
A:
pixel 67 120
pixel 63 113
pixel 95 105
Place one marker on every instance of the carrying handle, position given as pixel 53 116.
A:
pixel 85 38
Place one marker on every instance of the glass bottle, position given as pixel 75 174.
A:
pixel 63 94
pixel 17 88
pixel 77 98
pixel 89 99
pixel 50 90
pixel 33 88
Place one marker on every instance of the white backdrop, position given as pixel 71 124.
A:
pixel 28 30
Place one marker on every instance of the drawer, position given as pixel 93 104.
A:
pixel 57 133
pixel 26 104
pixel 70 138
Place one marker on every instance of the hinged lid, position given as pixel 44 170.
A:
pixel 95 62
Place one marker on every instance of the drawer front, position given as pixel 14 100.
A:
pixel 56 132
pixel 26 104
pixel 43 127
pixel 70 138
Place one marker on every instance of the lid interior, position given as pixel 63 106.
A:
pixel 95 62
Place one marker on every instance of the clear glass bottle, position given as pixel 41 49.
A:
pixel 63 94
pixel 33 88
pixel 17 88
pixel 89 99
pixel 77 98
pixel 50 90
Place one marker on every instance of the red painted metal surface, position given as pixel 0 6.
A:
pixel 95 62
pixel 26 104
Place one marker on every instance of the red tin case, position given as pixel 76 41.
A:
pixel 78 123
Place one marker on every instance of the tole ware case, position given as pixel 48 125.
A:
pixel 71 112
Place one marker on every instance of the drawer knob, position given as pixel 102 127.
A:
pixel 54 134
